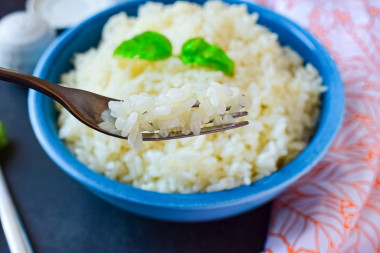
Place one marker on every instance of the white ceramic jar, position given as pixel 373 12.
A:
pixel 23 38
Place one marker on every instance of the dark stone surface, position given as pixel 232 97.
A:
pixel 59 215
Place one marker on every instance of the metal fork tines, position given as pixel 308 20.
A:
pixel 207 128
pixel 204 130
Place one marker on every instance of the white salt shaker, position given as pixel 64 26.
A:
pixel 23 38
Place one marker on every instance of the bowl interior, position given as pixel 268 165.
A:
pixel 57 60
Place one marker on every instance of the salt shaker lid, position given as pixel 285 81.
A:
pixel 65 13
pixel 22 28
pixel 23 38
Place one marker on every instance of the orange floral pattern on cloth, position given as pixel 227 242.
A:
pixel 336 207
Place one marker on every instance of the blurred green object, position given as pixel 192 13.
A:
pixel 151 46
pixel 198 52
pixel 3 137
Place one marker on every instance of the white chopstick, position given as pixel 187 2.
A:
pixel 13 229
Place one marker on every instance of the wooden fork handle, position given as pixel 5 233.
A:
pixel 52 90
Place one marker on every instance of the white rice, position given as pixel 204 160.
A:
pixel 282 116
pixel 173 111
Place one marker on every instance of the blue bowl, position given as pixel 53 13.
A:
pixel 185 207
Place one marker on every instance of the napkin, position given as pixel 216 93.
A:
pixel 336 207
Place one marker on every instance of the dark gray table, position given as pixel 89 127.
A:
pixel 61 216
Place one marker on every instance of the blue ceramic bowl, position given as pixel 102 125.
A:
pixel 185 207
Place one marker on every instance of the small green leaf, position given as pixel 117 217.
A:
pixel 3 137
pixel 198 52
pixel 149 46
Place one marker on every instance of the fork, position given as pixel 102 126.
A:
pixel 88 107
pixel 14 232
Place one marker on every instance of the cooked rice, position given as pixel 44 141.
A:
pixel 284 94
pixel 173 111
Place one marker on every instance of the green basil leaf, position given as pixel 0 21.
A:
pixel 149 46
pixel 198 52
pixel 3 137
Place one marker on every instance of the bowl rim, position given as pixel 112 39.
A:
pixel 269 185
